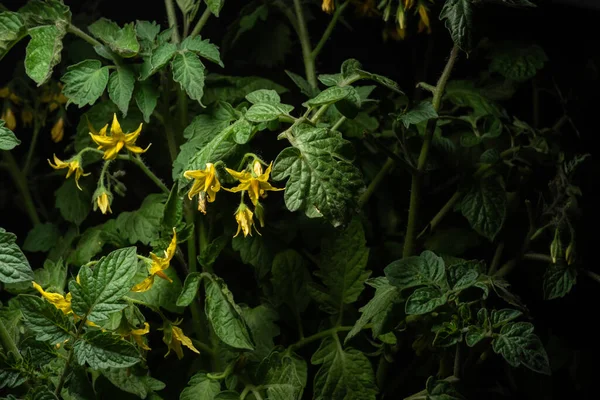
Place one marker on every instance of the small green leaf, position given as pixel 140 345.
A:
pixel 263 96
pixel 14 267
pixel 139 385
pixel 330 79
pixel 344 374
pixel 48 323
pixel 200 387
pixel 160 57
pixel 214 6
pixel 104 29
pixel 261 322
pixel 424 300
pixel 330 95
pixel 484 206
pixel 85 82
pixel 43 52
pixel 120 88
pixel 204 48
pixel 426 269
pixel 102 350
pixel 225 316
pixel 146 97
pixel 289 278
pixel 188 71
pixel 463 275
pixel 558 280
pixel 265 112
pixel 147 30
pixel 8 140
pixel 302 84
pixel 143 224
pixel 100 291
pixel 520 346
pixel 12 30
pixel 209 255
pixel 499 318
pixel 421 112
pixel 457 14
pixel 41 238
pixel 474 336
pixel 122 41
pixel 190 289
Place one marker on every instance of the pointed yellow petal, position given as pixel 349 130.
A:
pixel 130 138
pixel 186 341
pixel 144 285
pixel 115 128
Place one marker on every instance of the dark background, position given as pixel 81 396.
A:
pixel 567 30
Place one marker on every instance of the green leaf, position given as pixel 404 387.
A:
pixel 423 111
pixel 143 224
pixel 463 275
pixel 48 323
pixel 100 291
pixel 209 255
pixel 42 237
pixel 104 29
pixel 464 93
pixel 499 318
pixel 342 267
pixel 261 322
pixel 289 278
pixel 52 276
pixel 424 300
pixel 263 96
pixel 122 41
pixel 105 350
pixel 214 6
pixel 12 30
pixel 190 289
pixel 378 309
pixel 302 84
pixel 43 52
pixel 285 373
pixel 140 386
pixel 146 97
pixel 474 336
pixel 8 140
pixel 188 71
pixel 426 269
pixel 147 30
pixel 265 112
pixel 42 393
pixel 558 280
pixel 321 180
pixel 14 267
pixel 520 346
pixel 160 57
pixel 49 12
pixel 93 240
pixel 163 293
pixel 120 88
pixel 173 210
pixel 225 316
pixel 457 14
pixel 517 62
pixel 484 206
pixel 345 374
pixel 74 204
pixel 85 82
pixel 330 95
pixel 204 48
pixel 200 387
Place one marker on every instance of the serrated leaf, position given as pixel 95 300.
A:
pixel 517 62
pixel 265 112
pixel 424 300
pixel 204 48
pixel 330 96
pixel 289 278
pixel 14 267
pixel 344 374
pixel 462 275
pixel 425 269
pixel 8 140
pixel 457 14
pixel 214 6
pixel 188 71
pixel 48 323
pixel 105 350
pixel 12 30
pixel 558 280
pixel 421 112
pixel 321 180
pixel 302 84
pixel 50 12
pixel 484 206
pixel 520 346
pixel 43 52
pixel 42 237
pixel 100 291
pixel 85 82
pixel 147 30
pixel 146 98
pixel 143 224
pixel 200 387
pixel 286 372
pixel 122 41
pixel 225 316
pixel 501 317
pixel 160 57
pixel 190 289
pixel 261 322
pixel 120 88
pixel 139 385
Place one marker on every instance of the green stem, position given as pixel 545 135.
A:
pixel 138 161
pixel 191 242
pixel 328 30
pixel 319 113
pixel 7 343
pixel 36 131
pixel 170 7
pixel 364 198
pixel 441 214
pixel 203 346
pixel 458 361
pixel 415 193
pixel 78 32
pixel 339 123
pixel 21 183
pixel 309 62
pixel 63 375
pixel 319 335
pixel 201 22
pixel 537 257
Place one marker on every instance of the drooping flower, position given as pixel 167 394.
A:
pixel 73 165
pixel 58 130
pixel 63 303
pixel 103 201
pixel 159 264
pixel 243 216
pixel 328 6
pixel 255 182
pixel 174 338
pixel 424 18
pixel 113 143
pixel 9 117
pixel 206 185
pixel 137 334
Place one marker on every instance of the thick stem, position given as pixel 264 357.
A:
pixel 201 22
pixel 138 161
pixel 319 335
pixel 78 32
pixel 334 19
pixel 364 198
pixel 415 193
pixel 449 206
pixel 36 131
pixel 309 62
pixel 7 343
pixel 458 360
pixel 21 183
pixel 170 7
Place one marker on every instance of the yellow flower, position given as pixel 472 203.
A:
pixel 113 143
pixel 328 6
pixel 137 334
pixel 256 183
pixel 243 216
pixel 27 117
pixel 58 130
pixel 174 338
pixel 59 301
pixel 424 21
pixel 103 203
pixel 159 264
pixel 73 166
pixel 9 117
pixel 206 185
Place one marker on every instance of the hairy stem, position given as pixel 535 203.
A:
pixel 78 32
pixel 138 161
pixel 201 22
pixel 309 62
pixel 415 193
pixel 334 19
pixel 387 166
pixel 7 343
pixel 319 335
pixel 21 182
pixel 170 8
